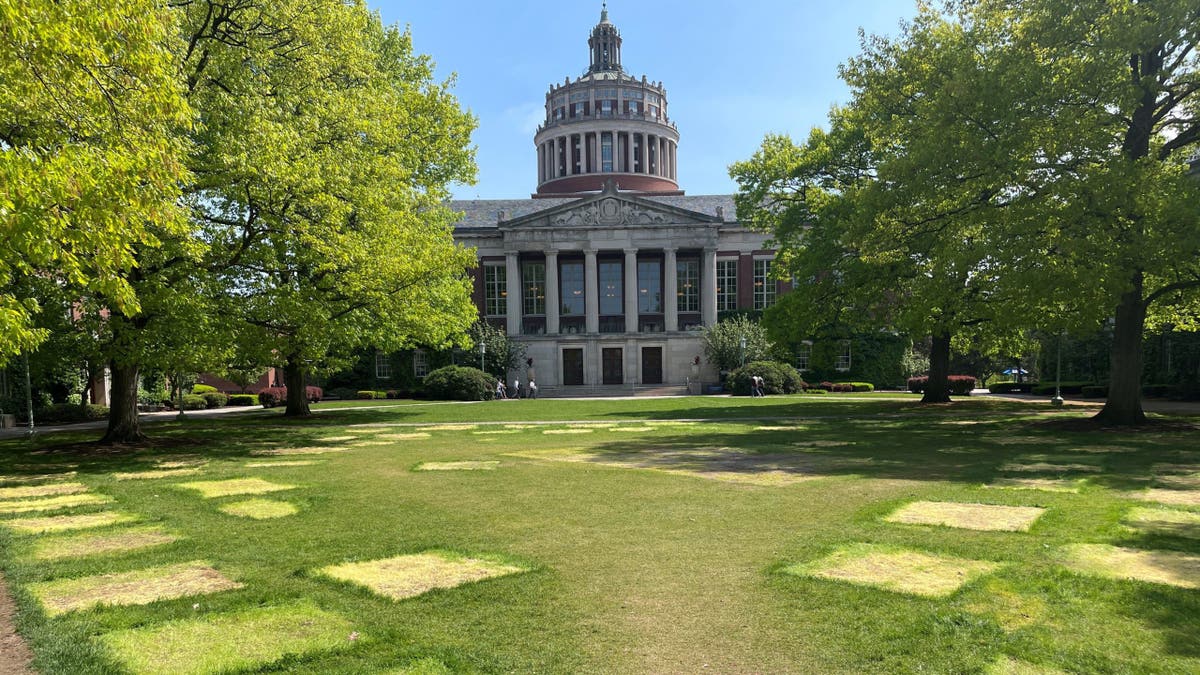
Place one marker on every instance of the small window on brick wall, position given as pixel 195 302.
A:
pixel 843 357
pixel 803 356
pixel 383 367
pixel 420 363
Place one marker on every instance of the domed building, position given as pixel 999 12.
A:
pixel 609 271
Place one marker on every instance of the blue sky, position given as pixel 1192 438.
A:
pixel 733 71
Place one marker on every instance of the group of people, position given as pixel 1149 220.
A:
pixel 503 391
pixel 756 386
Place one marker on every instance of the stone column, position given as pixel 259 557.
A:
pixel 631 291
pixel 553 303
pixel 628 152
pixel 670 290
pixel 513 288
pixel 594 162
pixel 591 292
pixel 674 166
pixel 646 153
pixel 708 288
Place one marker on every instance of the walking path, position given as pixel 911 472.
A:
pixel 15 656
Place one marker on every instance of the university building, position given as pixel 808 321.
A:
pixel 608 271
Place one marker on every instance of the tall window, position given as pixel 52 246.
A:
pixel 577 111
pixel 612 290
pixel 633 107
pixel 726 285
pixel 764 285
pixel 495 290
pixel 803 356
pixel 606 108
pixel 533 281
pixel 649 274
pixel 687 276
pixel 571 288
pixel 420 363
pixel 383 366
pixel 843 357
pixel 606 151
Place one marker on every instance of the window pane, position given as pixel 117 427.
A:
pixel 571 276
pixel 726 285
pixel 688 279
pixel 650 287
pixel 495 289
pixel 534 283
pixel 612 289
pixel 764 285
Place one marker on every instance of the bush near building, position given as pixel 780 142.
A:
pixel 273 396
pixel 960 385
pixel 459 383
pixel 778 378
pixel 242 399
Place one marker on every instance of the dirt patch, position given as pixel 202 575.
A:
pixel 15 656
pixel 286 462
pixel 900 571
pixel 260 509
pixel 990 517
pixel 50 490
pixel 1044 484
pixel 1173 497
pixel 308 450
pixel 79 545
pixel 234 486
pixel 1164 521
pixel 408 576
pixel 65 523
pixel 1114 562
pixel 51 503
pixel 457 466
pixel 140 587
pixel 157 473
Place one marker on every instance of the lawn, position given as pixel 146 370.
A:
pixel 786 534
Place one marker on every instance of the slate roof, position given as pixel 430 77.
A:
pixel 483 213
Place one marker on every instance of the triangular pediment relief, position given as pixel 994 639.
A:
pixel 610 209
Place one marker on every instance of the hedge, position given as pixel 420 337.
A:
pixel 460 383
pixel 960 385
pixel 66 413
pixel 1048 388
pixel 368 395
pixel 778 378
pixel 214 399
pixel 194 402
pixel 273 396
pixel 1012 387
pixel 243 399
pixel 200 389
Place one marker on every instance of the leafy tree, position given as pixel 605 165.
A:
pixel 723 343
pixel 500 354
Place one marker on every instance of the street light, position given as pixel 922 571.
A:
pixel 742 342
pixel 29 398
pixel 1057 401
pixel 482 353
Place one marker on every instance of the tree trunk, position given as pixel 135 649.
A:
pixel 1124 404
pixel 937 388
pixel 297 394
pixel 123 424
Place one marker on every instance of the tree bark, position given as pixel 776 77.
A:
pixel 297 394
pixel 1124 404
pixel 123 424
pixel 937 388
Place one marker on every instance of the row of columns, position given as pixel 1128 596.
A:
pixel 591 291
pixel 591 161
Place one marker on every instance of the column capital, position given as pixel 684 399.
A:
pixel 589 251
pixel 630 251
pixel 670 249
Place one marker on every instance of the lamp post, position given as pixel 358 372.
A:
pixel 482 353
pixel 179 393
pixel 1057 401
pixel 742 342
pixel 29 398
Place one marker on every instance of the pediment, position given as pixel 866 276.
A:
pixel 610 209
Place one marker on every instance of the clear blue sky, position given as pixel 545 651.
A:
pixel 734 71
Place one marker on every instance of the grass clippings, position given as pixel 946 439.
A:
pixel 156 473
pixel 209 489
pixel 260 509
pixel 1164 521
pixel 139 587
pixel 66 523
pixel 991 517
pixel 48 490
pixel 1007 665
pixel 283 462
pixel 483 465
pixel 407 576
pixel 51 503
pixel 235 641
pixel 92 543
pixel 1173 497
pixel 405 437
pixel 1044 484
pixel 307 450
pixel 899 571
pixel 1114 562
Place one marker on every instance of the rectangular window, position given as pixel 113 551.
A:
pixel 420 363
pixel 726 285
pixel 606 108
pixel 612 290
pixel 533 281
pixel 764 284
pixel 571 287
pixel 383 366
pixel 803 356
pixel 495 290
pixel 649 275
pixel 606 151
pixel 577 110
pixel 843 357
pixel 633 107
pixel 687 275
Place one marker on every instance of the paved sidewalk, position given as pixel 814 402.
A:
pixel 164 416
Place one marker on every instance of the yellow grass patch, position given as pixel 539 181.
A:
pixel 337 439
pixel 721 464
pixel 79 545
pixel 1173 497
pixel 139 587
pixel 308 450
pixel 782 427
pixel 1189 481
pixel 407 576
pixel 260 509
pixel 520 426
pixel 900 571
pixel 1006 606
pixel 592 425
pixel 65 523
pixel 968 516
pixel 449 427
pixel 1114 562
pixel 457 466
pixel 183 463
pixel 633 429
pixel 36 478
pixel 234 486
pixel 360 444
pixel 1007 665
pixel 1049 467
pixel 48 490
pixel 51 503
pixel 567 431
pixel 158 473
pixel 1045 484
pixel 285 462
pixel 671 423
pixel 405 437
pixel 494 432
pixel 1165 521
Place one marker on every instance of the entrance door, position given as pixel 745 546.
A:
pixel 572 366
pixel 613 365
pixel 651 365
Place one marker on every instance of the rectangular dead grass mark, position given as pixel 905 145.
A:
pixel 260 509
pixel 1044 484
pixel 520 426
pixel 900 571
pixel 632 429
pixel 751 476
pixel 79 545
pixel 488 465
pixel 234 486
pixel 48 490
pixel 285 462
pixel 1114 562
pixel 1187 481
pixel 449 427
pixel 991 517
pixel 1049 467
pixel 51 503
pixel 495 432
pixel 407 576
pixel 157 473
pixel 307 450
pixel 363 444
pixel 405 437
pixel 139 587
pixel 180 464
pixel 337 439
pixel 1165 521
pixel 566 431
pixel 230 642
pixel 36 478
pixel 1173 497
pixel 65 523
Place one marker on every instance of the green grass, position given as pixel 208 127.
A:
pixel 645 554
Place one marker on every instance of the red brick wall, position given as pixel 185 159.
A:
pixel 745 281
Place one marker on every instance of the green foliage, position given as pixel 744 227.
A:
pixel 243 399
pixel 203 389
pixel 68 413
pixel 500 354
pixel 368 395
pixel 1045 388
pixel 214 399
pixel 778 378
pixel 194 402
pixel 723 342
pixel 457 383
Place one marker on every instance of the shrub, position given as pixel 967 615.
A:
pixel 460 383
pixel 391 394
pixel 916 385
pixel 1012 387
pixel 1095 391
pixel 194 402
pixel 368 395
pixel 314 394
pixel 214 399
pixel 778 378
pixel 814 390
pixel 272 396
pixel 200 389
pixel 960 385
pixel 67 413
pixel 243 399
pixel 856 386
pixel 343 393
pixel 1047 388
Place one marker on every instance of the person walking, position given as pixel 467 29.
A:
pixel 532 389
pixel 516 388
pixel 501 393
